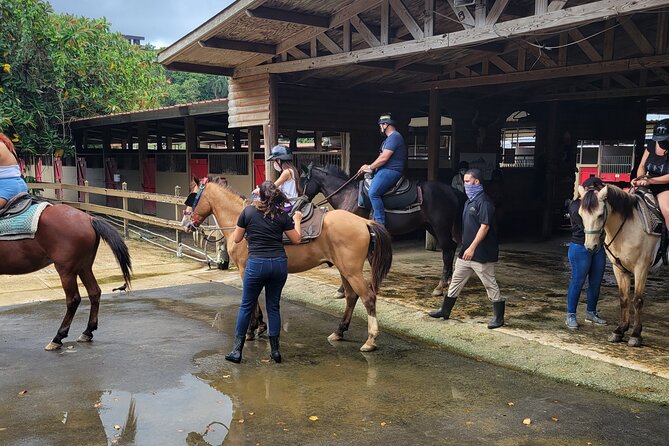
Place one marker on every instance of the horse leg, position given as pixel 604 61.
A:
pixel 340 292
pixel 639 288
pixel 447 256
pixel 360 287
pixel 94 292
pixel 351 299
pixel 72 301
pixel 256 323
pixel 623 280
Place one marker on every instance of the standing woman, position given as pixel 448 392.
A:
pixel 584 264
pixel 263 224
pixel 11 183
pixel 653 171
pixel 289 177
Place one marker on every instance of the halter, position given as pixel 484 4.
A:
pixel 607 246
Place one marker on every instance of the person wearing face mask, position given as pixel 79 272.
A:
pixel 388 166
pixel 479 253
pixel 653 171
pixel 288 181
pixel 458 181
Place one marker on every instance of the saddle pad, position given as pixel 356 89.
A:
pixel 312 224
pixel 652 223
pixel 24 225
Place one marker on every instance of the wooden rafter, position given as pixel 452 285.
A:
pixel 637 36
pixel 463 14
pixel 330 44
pixel 238 45
pixel 364 31
pixel 407 19
pixel 496 11
pixel 198 68
pixel 282 15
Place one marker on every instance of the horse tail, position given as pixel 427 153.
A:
pixel 111 236
pixel 380 255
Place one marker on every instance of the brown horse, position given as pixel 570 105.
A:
pixel 67 238
pixel 346 240
pixel 629 248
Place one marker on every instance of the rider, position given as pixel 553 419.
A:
pixel 11 183
pixel 389 165
pixel 288 180
pixel 653 171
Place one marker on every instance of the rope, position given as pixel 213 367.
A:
pixel 325 200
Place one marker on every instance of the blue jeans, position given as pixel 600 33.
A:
pixel 383 180
pixel 585 263
pixel 268 273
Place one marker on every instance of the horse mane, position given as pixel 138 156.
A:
pixel 228 188
pixel 621 202
pixel 334 170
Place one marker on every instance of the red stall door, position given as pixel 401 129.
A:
pixel 259 171
pixel 149 185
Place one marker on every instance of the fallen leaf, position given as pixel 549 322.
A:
pixel 527 421
pixel 252 413
pixel 241 421
pixel 510 403
pixel 383 423
pixel 554 419
pixel 117 427
pixel 23 392
pixel 313 418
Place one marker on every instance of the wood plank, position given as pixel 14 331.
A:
pixel 463 14
pixel 637 36
pixel 160 198
pixel 259 108
pixel 585 45
pixel 480 14
pixel 330 44
pixel 548 22
pixel 245 94
pixel 198 68
pixel 562 51
pixel 622 80
pixel 238 45
pixel 609 38
pixel 540 7
pixel 428 22
pixel 366 34
pixel 298 53
pixel 556 5
pixel 407 19
pixel 385 23
pixel 603 94
pixel 661 34
pixel 346 29
pixel 283 15
pixel 496 11
pixel 502 64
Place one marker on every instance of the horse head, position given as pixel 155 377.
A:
pixel 310 186
pixel 197 204
pixel 594 211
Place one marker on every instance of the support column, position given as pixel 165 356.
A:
pixel 143 144
pixel 271 130
pixel 551 142
pixel 190 130
pixel 433 137
pixel 254 146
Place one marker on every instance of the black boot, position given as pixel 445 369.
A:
pixel 446 308
pixel 274 345
pixel 498 314
pixel 236 354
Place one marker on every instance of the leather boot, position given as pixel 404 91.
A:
pixel 236 354
pixel 274 345
pixel 498 314
pixel 446 308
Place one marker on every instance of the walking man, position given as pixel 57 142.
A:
pixel 480 250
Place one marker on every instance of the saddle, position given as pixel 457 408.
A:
pixel 312 219
pixel 653 222
pixel 20 217
pixel 404 196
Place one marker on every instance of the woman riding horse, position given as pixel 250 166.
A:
pixel 653 171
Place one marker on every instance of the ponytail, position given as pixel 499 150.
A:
pixel 271 199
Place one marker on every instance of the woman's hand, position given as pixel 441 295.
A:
pixel 641 182
pixel 297 217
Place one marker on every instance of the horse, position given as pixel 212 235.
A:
pixel 67 238
pixel 440 213
pixel 346 240
pixel 629 248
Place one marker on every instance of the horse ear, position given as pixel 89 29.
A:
pixel 196 180
pixel 602 194
pixel 581 191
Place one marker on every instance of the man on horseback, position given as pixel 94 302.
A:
pixel 11 183
pixel 653 171
pixel 389 165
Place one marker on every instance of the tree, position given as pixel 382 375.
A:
pixel 54 68
pixel 192 87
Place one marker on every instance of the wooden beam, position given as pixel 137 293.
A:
pixel 428 21
pixel 238 45
pixel 433 135
pixel 197 68
pixel 637 36
pixel 551 21
pixel 501 64
pixel 540 7
pixel 416 68
pixel 661 35
pixel 585 45
pixel 562 51
pixel 622 80
pixel 496 11
pixel 602 94
pixel 480 14
pixel 297 53
pixel 330 44
pixel 556 5
pixel 282 15
pixel 385 23
pixel 366 34
pixel 462 13
pixel 548 73
pixel 407 19
pixel 346 29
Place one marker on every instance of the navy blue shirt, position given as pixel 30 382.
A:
pixel 264 234
pixel 478 211
pixel 398 160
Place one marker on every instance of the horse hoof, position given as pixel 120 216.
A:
pixel 615 337
pixel 438 292
pixel 84 338
pixel 335 337
pixel 51 346
pixel 339 295
pixel 634 342
pixel 368 348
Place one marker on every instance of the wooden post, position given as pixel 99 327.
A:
pixel 551 142
pixel 318 141
pixel 433 139
pixel 271 130
pixel 177 217
pixel 190 129
pixel 124 187
pixel 254 146
pixel 87 198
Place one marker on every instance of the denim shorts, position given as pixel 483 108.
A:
pixel 10 187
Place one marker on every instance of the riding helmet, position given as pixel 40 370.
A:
pixel 280 153
pixel 661 130
pixel 386 118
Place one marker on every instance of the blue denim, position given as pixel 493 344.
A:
pixel 585 263
pixel 268 273
pixel 383 180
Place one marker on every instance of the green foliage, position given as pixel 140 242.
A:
pixel 192 87
pixel 57 67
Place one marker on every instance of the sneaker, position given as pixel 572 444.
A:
pixel 593 317
pixel 571 321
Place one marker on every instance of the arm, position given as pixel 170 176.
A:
pixel 238 234
pixel 295 234
pixel 664 179
pixel 285 176
pixel 480 235
pixel 379 161
pixel 641 170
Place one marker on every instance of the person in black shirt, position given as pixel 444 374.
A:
pixel 584 264
pixel 653 171
pixel 479 253
pixel 263 224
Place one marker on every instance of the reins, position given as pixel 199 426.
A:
pixel 618 263
pixel 325 200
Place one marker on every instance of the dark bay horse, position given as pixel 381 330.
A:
pixel 67 238
pixel 440 214
pixel 629 248
pixel 346 241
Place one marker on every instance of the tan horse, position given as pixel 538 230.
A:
pixel 629 248
pixel 346 241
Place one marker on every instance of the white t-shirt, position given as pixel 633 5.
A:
pixel 289 188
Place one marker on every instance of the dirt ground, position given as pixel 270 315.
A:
pixel 533 277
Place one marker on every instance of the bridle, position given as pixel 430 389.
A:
pixel 607 246
pixel 325 200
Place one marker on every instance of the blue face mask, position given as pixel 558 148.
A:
pixel 472 190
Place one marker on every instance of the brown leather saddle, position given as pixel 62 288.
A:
pixel 312 220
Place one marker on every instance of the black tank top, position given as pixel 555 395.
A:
pixel 656 165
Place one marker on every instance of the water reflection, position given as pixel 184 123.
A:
pixel 193 413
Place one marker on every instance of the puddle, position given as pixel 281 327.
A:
pixel 193 414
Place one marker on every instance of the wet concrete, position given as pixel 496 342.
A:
pixel 155 375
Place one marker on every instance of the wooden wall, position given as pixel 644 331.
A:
pixel 249 101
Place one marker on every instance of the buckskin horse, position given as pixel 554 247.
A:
pixel 629 248
pixel 440 213
pixel 67 238
pixel 345 241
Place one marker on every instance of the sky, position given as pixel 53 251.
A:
pixel 160 22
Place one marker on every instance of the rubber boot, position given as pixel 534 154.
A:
pixel 446 308
pixel 498 314
pixel 274 345
pixel 236 354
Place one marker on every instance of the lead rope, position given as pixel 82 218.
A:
pixel 325 200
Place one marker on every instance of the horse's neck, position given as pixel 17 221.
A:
pixel 346 198
pixel 226 207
